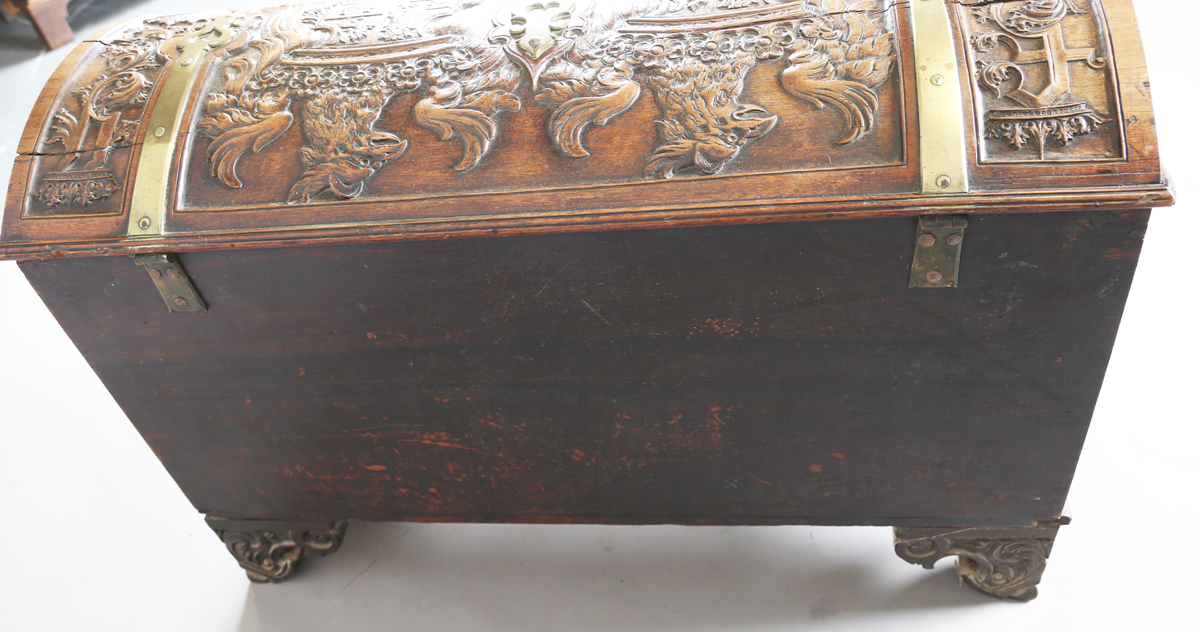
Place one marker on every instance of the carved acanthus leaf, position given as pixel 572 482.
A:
pixel 586 67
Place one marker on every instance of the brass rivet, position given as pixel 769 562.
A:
pixel 927 240
pixel 943 182
pixel 186 62
pixel 934 276
pixel 144 223
pixel 937 80
pixel 172 273
pixel 154 273
pixel 182 302
pixel 954 240
pixel 159 131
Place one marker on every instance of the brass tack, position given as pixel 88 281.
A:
pixel 927 240
pixel 172 273
pixel 180 301
pixel 159 131
pixel 934 276
pixel 954 239
pixel 943 182
pixel 937 80
pixel 154 273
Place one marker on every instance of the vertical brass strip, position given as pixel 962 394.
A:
pixel 155 165
pixel 939 100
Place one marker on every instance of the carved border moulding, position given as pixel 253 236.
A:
pixel 335 67
pixel 100 116
pixel 1006 563
pixel 269 550
pixel 1044 89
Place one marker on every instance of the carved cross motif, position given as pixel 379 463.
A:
pixel 537 26
pixel 1054 54
pixel 1052 114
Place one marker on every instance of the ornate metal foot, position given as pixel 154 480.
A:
pixel 1002 562
pixel 269 550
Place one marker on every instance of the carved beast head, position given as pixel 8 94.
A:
pixel 342 150
pixel 709 145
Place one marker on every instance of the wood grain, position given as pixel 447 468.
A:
pixel 768 374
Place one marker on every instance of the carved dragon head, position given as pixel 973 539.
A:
pixel 709 146
pixel 703 125
pixel 342 150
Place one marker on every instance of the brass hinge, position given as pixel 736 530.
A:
pixel 938 250
pixel 172 282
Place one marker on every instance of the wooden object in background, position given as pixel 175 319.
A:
pixel 49 17
pixel 624 264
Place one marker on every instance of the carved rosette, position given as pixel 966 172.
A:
pixel 270 551
pixel 1003 567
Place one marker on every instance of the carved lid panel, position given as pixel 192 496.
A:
pixel 443 117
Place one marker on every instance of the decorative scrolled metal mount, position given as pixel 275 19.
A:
pixel 1006 563
pixel 269 551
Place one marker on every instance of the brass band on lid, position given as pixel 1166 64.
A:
pixel 155 164
pixel 941 130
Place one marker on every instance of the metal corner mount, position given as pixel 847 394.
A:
pixel 938 251
pixel 172 282
pixel 942 133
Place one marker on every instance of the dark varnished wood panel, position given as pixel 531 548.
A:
pixel 778 373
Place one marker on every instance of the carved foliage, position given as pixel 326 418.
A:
pixel 337 66
pixel 87 131
pixel 341 95
pixel 1024 64
pixel 1000 567
pixel 838 53
pixel 272 555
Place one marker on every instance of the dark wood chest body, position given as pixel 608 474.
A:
pixel 574 314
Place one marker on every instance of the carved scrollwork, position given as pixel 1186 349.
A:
pixel 341 90
pixel 1012 37
pixel 336 66
pixel 696 69
pixel 86 132
pixel 269 552
pixel 1003 567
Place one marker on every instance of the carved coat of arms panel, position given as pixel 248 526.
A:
pixel 1043 81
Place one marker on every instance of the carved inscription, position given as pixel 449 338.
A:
pixel 1043 75
pixel 335 67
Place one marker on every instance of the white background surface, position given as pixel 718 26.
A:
pixel 98 537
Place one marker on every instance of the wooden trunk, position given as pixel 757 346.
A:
pixel 787 262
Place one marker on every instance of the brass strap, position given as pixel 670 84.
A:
pixel 155 165
pixel 939 101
